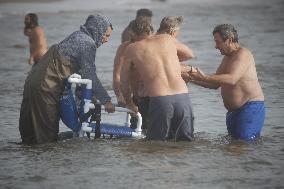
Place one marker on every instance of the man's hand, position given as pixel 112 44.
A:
pixel 133 108
pixel 31 60
pixel 121 101
pixel 197 76
pixel 185 76
pixel 186 71
pixel 109 107
pixel 200 72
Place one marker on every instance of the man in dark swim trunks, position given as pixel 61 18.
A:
pixel 169 25
pixel 155 59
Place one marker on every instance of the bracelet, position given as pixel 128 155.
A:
pixel 190 71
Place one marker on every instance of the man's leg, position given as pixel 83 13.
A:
pixel 160 114
pixel 246 122
pixel 251 120
pixel 231 123
pixel 182 123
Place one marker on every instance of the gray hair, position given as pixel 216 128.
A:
pixel 226 31
pixel 170 24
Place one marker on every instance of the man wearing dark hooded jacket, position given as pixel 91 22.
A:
pixel 39 117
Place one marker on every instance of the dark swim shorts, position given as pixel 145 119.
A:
pixel 170 117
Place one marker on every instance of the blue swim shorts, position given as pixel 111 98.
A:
pixel 246 122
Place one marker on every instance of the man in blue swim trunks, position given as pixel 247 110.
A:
pixel 155 59
pixel 241 92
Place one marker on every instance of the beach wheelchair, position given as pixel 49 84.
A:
pixel 84 117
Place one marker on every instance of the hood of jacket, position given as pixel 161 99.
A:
pixel 96 27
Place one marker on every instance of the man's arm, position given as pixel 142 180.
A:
pixel 88 71
pixel 38 43
pixel 116 73
pixel 205 85
pixel 184 52
pixel 125 80
pixel 33 38
pixel 31 60
pixel 238 66
pixel 201 83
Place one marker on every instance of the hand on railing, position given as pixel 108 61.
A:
pixel 121 101
pixel 133 108
pixel 109 107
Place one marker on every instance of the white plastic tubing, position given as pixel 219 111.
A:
pixel 138 130
pixel 75 78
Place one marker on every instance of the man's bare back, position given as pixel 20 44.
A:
pixel 156 60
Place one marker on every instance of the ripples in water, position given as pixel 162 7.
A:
pixel 212 160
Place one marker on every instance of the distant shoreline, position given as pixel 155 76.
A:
pixel 28 1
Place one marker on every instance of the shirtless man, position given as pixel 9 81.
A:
pixel 155 59
pixel 136 87
pixel 169 25
pixel 241 92
pixel 117 70
pixel 35 33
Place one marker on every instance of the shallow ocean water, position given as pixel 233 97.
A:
pixel 212 160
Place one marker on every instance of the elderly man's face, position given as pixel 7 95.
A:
pixel 223 46
pixel 107 35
